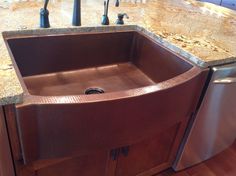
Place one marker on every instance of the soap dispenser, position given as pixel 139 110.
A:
pixel 120 19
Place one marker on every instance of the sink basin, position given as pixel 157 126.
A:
pixel 116 61
pixel 87 91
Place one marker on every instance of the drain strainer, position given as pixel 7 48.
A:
pixel 94 90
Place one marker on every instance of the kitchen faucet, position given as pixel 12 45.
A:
pixel 44 13
pixel 105 19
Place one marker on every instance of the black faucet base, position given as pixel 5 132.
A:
pixel 44 13
pixel 44 20
pixel 105 20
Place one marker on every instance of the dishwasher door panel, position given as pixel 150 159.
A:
pixel 214 128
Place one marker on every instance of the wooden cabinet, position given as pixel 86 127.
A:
pixel 148 156
pixel 87 165
pixel 6 162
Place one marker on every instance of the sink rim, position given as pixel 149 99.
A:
pixel 110 96
pixel 68 99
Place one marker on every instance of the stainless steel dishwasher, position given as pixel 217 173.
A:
pixel 214 128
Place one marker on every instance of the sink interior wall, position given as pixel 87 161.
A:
pixel 50 54
pixel 67 64
pixel 157 62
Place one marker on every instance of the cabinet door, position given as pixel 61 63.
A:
pixel 149 156
pixel 87 165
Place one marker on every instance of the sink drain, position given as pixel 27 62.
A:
pixel 93 90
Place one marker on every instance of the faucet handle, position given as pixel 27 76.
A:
pixel 120 19
pixel 117 3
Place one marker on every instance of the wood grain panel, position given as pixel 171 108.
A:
pixel 92 165
pixel 6 162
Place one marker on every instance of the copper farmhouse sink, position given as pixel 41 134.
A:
pixel 101 90
pixel 70 64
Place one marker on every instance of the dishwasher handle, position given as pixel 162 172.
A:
pixel 226 80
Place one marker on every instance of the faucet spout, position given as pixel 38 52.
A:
pixel 45 4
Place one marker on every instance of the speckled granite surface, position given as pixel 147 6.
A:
pixel 203 33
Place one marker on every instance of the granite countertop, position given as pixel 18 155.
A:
pixel 204 33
